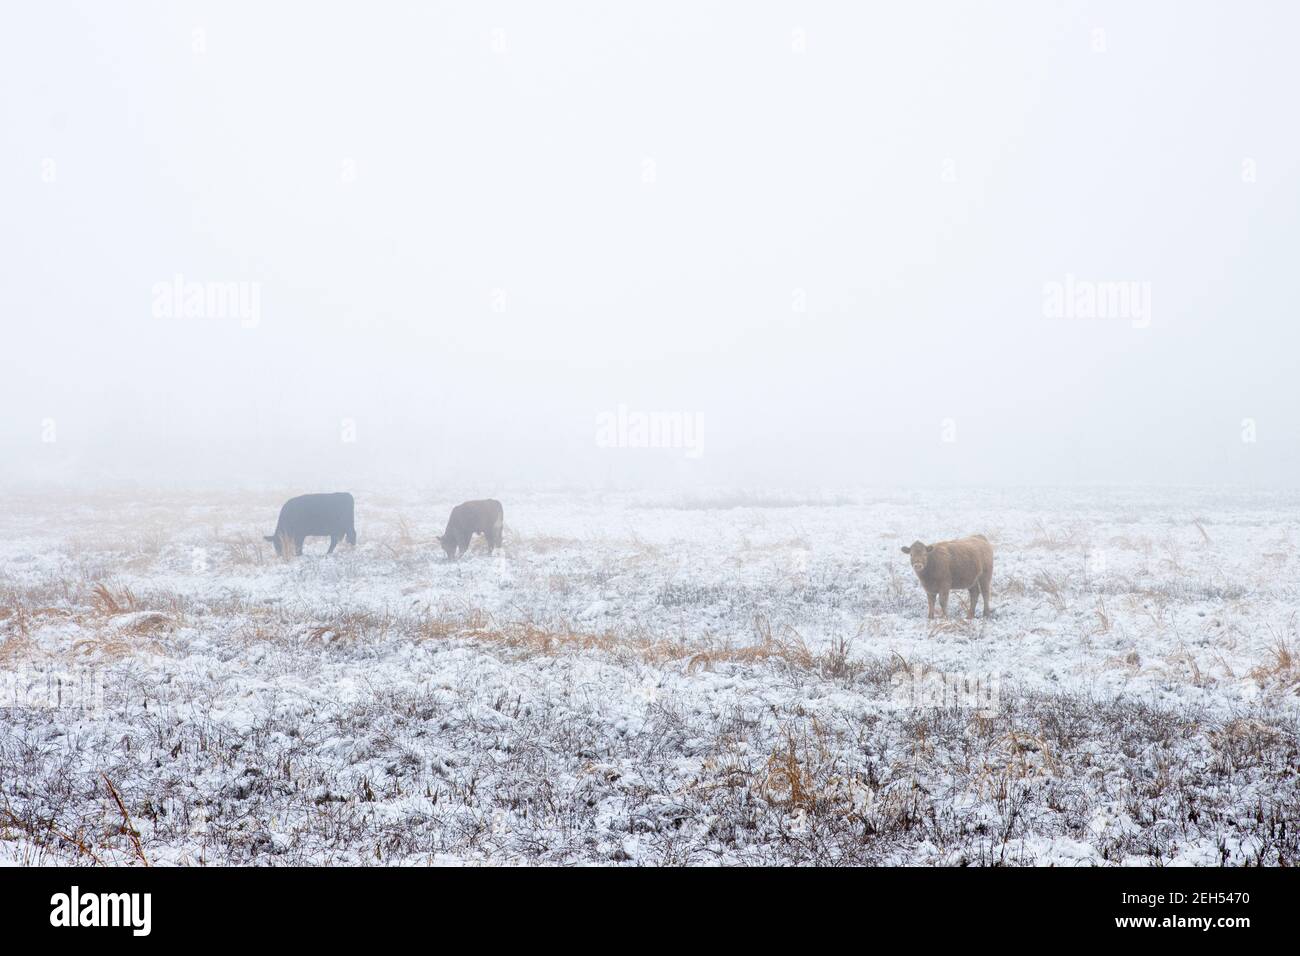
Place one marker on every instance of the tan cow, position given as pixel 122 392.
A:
pixel 964 564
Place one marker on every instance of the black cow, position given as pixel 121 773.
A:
pixel 486 517
pixel 312 515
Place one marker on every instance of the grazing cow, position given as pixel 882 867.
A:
pixel 311 515
pixel 485 517
pixel 964 564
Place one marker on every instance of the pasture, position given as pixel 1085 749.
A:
pixel 732 677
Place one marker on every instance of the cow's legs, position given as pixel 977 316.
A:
pixel 943 602
pixel 974 599
pixel 297 543
pixel 930 597
pixel 334 540
pixel 985 583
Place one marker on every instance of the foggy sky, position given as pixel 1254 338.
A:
pixel 823 231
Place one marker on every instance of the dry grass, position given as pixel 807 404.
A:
pixel 403 542
pixel 898 587
pixel 119 645
pixel 955 623
pixel 1173 559
pixel 150 542
pixel 783 645
pixel 1103 616
pixel 16 647
pixel 787 780
pixel 355 626
pixel 40 833
pixel 1282 668
pixel 139 621
pixel 106 602
pixel 1248 742
pixel 19 621
pixel 531 638
pixel 770 645
pixel 288 551
pixel 1014 756
pixel 127 827
pixel 246 550
pixel 1132 661
pixel 1060 539
pixel 1011 586
pixel 1053 588
pixel 549 544
pixel 117 623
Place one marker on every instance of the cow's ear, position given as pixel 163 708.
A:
pixel 268 537
pixel 907 550
pixel 929 548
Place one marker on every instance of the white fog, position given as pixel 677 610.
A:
pixel 469 230
pixel 649 433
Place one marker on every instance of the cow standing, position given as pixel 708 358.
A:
pixel 964 564
pixel 315 515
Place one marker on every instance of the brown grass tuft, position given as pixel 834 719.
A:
pixel 1282 666
pixel 1053 588
pixel 106 602
pixel 788 782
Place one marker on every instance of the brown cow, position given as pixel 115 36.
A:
pixel 964 564
pixel 485 517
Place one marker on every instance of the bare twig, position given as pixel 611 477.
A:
pixel 126 820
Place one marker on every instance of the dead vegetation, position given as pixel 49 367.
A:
pixel 246 550
pixel 107 603
pixel 1053 588
pixel 724 711
pixel 1282 667
pixel 1073 538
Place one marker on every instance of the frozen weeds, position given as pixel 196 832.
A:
pixel 729 678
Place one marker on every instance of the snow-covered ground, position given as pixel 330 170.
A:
pixel 737 677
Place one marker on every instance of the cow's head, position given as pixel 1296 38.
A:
pixel 920 554
pixel 276 540
pixel 448 543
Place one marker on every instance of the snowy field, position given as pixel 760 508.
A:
pixel 738 678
